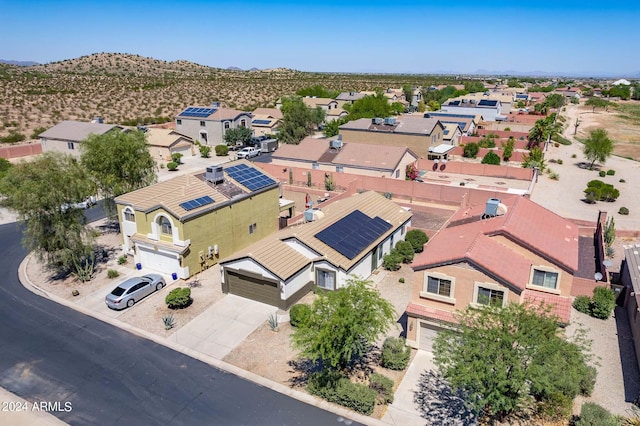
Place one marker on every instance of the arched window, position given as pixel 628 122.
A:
pixel 165 225
pixel 129 216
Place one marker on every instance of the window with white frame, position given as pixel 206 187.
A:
pixel 326 279
pixel 315 166
pixel 397 173
pixel 129 216
pixel 227 125
pixel 202 123
pixel 243 123
pixel 179 122
pixel 490 296
pixel 165 225
pixel 438 286
pixel 543 278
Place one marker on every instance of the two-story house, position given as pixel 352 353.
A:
pixel 67 136
pixel 208 125
pixel 509 251
pixel 420 135
pixel 186 224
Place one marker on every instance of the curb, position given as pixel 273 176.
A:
pixel 219 364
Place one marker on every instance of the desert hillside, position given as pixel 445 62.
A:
pixel 126 89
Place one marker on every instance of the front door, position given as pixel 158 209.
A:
pixel 374 259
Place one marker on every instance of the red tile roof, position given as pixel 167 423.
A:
pixel 432 313
pixel 468 237
pixel 560 305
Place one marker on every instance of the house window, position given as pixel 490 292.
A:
pixel 202 123
pixel 227 125
pixel 129 216
pixel 70 145
pixel 339 169
pixel 165 225
pixel 439 286
pixel 490 297
pixel 546 279
pixel 179 122
pixel 380 251
pixel 433 139
pixel 252 228
pixel 392 235
pixel 397 173
pixel 326 279
pixel 243 123
pixel 315 166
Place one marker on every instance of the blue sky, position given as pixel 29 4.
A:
pixel 595 38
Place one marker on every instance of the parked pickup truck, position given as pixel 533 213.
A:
pixel 248 152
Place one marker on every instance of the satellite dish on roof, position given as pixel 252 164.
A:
pixel 607 263
pixel 597 276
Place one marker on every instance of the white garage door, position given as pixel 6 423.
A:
pixel 158 261
pixel 184 150
pixel 428 334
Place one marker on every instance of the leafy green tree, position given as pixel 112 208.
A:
pixel 41 192
pixel 433 105
pixel 5 165
pixel 555 100
pixel 332 127
pixel 507 149
pixel 407 90
pixel 598 146
pixel 474 86
pixel 506 359
pixel 343 324
pixel 238 136
pixel 373 106
pixel 119 162
pixel 405 250
pixel 535 158
pixel 417 238
pixel 491 158
pixel 298 121
pixel 471 150
pixel 597 103
pixel 621 91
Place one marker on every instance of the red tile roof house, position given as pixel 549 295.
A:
pixel 509 251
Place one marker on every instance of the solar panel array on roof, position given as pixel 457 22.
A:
pixel 197 112
pixel 454 103
pixel 488 102
pixel 261 122
pixel 353 233
pixel 248 176
pixel 197 202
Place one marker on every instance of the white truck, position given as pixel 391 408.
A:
pixel 248 152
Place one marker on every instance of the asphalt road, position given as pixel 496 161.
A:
pixel 99 374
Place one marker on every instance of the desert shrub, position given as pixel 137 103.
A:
pixel 491 158
pixel 592 414
pixel 178 298
pixel 395 353
pixel 486 143
pixel 392 261
pixel 622 181
pixel 383 386
pixel 176 157
pixel 13 137
pixel 603 302
pixel 556 406
pixel 172 166
pixel 471 150
pixel 122 260
pixel 299 314
pixel 573 155
pixel 334 387
pixel 221 150
pixel 582 304
pixel 560 161
pixel 112 273
pixel 623 211
pixel 588 381
pixel 562 140
pixel 611 172
pixel 597 190
pixel 401 280
pixel 553 175
pixel 417 239
pixel 405 250
pixel 602 173
pixel 205 151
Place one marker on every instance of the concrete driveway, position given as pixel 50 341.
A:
pixel 223 326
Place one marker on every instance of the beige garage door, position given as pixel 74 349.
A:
pixel 428 334
pixel 253 288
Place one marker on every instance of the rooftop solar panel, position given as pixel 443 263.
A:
pixel 197 112
pixel 197 202
pixel 249 177
pixel 353 233
pixel 487 102
pixel 261 122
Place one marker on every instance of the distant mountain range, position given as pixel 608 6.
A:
pixel 19 63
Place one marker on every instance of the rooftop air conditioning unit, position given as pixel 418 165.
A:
pixel 336 143
pixel 491 208
pixel 390 121
pixel 214 174
pixel 376 120
pixel 311 215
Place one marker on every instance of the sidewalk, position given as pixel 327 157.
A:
pixel 18 412
pixel 205 339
